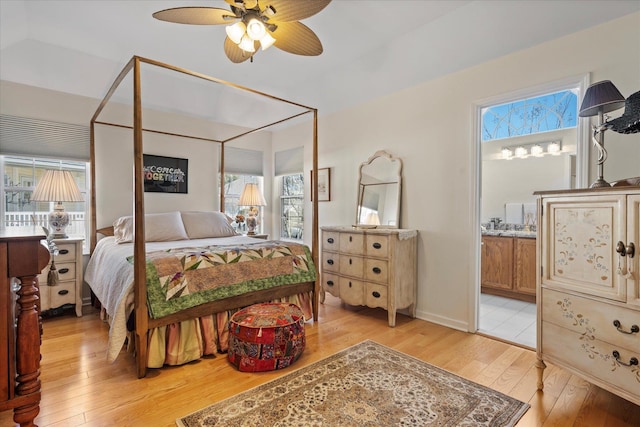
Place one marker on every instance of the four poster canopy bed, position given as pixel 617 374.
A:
pixel 168 281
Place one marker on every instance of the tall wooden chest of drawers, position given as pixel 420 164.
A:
pixel 22 258
pixel 589 286
pixel 372 267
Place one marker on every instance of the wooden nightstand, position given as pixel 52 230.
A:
pixel 259 236
pixel 68 290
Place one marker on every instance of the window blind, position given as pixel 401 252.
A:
pixel 288 162
pixel 42 138
pixel 242 161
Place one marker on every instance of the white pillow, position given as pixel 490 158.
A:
pixel 160 227
pixel 201 225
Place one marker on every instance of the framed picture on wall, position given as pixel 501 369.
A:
pixel 165 174
pixel 324 185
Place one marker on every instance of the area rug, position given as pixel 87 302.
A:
pixel 365 385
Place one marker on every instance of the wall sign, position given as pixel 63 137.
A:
pixel 165 174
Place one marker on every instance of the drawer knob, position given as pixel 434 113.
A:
pixel 375 294
pixel 349 284
pixel 377 270
pixel 634 328
pixel 632 362
pixel 63 251
pixel 377 245
pixel 63 270
pixel 329 282
pixel 330 261
pixel 330 240
pixel 626 250
pixel 63 292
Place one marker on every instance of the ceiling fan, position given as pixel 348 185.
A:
pixel 256 23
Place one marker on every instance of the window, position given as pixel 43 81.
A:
pixel 529 116
pixel 233 186
pixel 21 175
pixel 292 206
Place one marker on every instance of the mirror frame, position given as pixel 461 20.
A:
pixel 382 154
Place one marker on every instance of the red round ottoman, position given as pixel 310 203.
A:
pixel 267 336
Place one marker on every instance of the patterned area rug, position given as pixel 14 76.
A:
pixel 365 385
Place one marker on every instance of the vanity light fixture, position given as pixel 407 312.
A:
pixel 535 149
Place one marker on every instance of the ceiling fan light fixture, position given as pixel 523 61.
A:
pixel 246 44
pixel 267 41
pixel 256 29
pixel 236 31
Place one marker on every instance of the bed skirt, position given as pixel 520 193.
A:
pixel 189 340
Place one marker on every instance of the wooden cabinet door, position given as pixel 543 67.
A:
pixel 633 236
pixel 6 333
pixel 525 281
pixel 497 262
pixel 579 244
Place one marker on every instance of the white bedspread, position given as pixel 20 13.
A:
pixel 110 277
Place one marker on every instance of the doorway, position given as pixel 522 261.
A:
pixel 527 141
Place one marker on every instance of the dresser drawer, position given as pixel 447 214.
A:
pixel 331 284
pixel 376 270
pixel 351 291
pixel 591 318
pixel 593 358
pixel 66 252
pixel 61 294
pixel 66 272
pixel 377 246
pixel 330 241
pixel 330 261
pixel 352 243
pixel 351 266
pixel 376 295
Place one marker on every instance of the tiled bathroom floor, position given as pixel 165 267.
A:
pixel 508 319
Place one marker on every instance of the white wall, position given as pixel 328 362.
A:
pixel 431 127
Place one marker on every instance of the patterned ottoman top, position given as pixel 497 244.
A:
pixel 268 315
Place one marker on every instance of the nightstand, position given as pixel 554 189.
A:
pixel 68 290
pixel 259 236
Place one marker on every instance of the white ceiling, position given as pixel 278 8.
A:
pixel 371 48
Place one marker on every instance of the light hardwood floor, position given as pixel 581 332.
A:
pixel 80 389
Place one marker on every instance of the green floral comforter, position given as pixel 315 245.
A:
pixel 178 279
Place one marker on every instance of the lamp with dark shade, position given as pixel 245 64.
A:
pixel 251 196
pixel 600 98
pixel 57 186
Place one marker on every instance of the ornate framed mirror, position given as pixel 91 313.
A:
pixel 379 190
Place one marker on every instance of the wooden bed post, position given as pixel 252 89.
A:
pixel 314 234
pixel 139 272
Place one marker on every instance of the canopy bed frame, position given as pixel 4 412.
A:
pixel 143 322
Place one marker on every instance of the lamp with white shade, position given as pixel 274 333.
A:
pixel 57 186
pixel 252 196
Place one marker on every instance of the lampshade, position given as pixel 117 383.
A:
pixel 57 186
pixel 601 96
pixel 251 196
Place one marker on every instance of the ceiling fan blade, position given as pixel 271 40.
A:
pixel 288 11
pixel 234 53
pixel 297 38
pixel 196 15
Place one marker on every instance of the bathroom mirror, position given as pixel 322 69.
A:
pixel 379 189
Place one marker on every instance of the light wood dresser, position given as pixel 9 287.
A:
pixel 68 290
pixel 589 286
pixel 371 267
pixel 22 258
